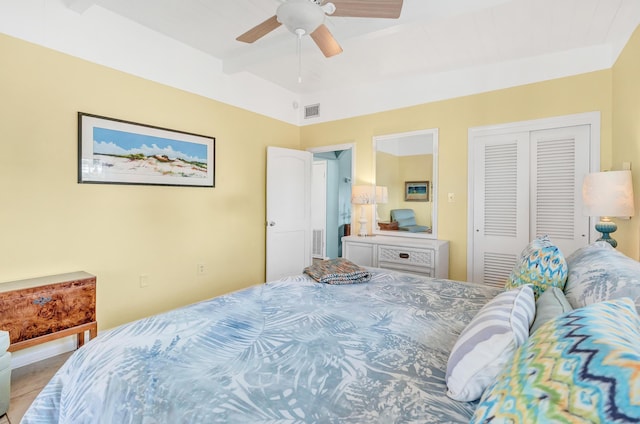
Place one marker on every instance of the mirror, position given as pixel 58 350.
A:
pixel 406 171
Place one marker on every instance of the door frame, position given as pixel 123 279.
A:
pixel 336 147
pixel 588 118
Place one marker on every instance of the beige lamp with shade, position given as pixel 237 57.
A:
pixel 363 195
pixel 608 194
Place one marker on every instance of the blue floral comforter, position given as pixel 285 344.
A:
pixel 290 351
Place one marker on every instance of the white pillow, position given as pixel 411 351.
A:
pixel 488 342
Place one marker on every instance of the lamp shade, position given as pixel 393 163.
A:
pixel 608 194
pixel 382 194
pixel 363 195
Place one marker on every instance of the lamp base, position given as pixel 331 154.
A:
pixel 606 227
pixel 363 223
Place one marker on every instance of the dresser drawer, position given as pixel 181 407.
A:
pixel 418 270
pixel 37 311
pixel 406 256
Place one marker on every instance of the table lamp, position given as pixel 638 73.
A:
pixel 362 195
pixel 608 194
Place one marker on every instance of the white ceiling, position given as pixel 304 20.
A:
pixel 430 37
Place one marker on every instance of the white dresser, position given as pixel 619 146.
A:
pixel 414 255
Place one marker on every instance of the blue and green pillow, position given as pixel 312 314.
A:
pixel 542 265
pixel 583 366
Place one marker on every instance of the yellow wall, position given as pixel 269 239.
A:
pixel 416 168
pixel 577 94
pixel 626 136
pixel 50 224
pixel 392 172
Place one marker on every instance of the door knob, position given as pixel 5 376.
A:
pixel 271 223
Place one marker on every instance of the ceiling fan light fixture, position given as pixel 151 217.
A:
pixel 300 15
pixel 329 8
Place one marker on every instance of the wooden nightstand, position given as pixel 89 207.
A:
pixel 42 309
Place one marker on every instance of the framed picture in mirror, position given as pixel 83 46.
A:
pixel 416 191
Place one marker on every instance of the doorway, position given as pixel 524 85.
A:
pixel 331 198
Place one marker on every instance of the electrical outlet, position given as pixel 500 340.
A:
pixel 201 269
pixel 144 281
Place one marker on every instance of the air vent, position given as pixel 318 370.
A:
pixel 312 111
pixel 318 244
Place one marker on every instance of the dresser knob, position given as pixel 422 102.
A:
pixel 404 255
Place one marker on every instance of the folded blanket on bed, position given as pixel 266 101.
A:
pixel 337 271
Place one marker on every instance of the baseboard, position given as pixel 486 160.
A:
pixel 33 354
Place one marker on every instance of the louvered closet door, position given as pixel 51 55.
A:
pixel 501 189
pixel 560 160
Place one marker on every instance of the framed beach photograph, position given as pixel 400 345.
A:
pixel 113 151
pixel 416 191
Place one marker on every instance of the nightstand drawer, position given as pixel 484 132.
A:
pixel 406 255
pixel 33 312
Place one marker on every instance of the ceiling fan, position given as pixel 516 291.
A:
pixel 306 17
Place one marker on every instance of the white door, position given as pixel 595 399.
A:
pixel 501 225
pixel 560 161
pixel 288 212
pixel 527 184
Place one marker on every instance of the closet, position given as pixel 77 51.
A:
pixel 525 180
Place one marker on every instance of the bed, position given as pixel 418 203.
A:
pixel 292 350
pixel 559 343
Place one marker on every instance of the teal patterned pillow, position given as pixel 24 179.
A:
pixel 582 367
pixel 542 265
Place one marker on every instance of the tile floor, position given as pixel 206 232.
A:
pixel 26 383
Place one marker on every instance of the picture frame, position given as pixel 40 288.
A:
pixel 416 191
pixel 115 151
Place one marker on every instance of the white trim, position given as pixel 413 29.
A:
pixel 37 353
pixel 84 29
pixel 333 148
pixel 588 118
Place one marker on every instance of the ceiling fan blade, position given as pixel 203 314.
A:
pixel 260 30
pixel 368 8
pixel 325 41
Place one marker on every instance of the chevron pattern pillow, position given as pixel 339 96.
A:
pixel 582 367
pixel 542 265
